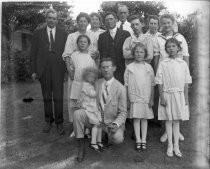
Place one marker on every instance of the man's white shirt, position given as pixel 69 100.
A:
pixel 53 32
pixel 126 26
pixel 113 32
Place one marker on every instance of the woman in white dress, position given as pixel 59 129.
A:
pixel 78 62
pixel 95 30
pixel 83 20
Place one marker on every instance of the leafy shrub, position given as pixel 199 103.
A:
pixel 15 66
pixel 189 28
pixel 21 65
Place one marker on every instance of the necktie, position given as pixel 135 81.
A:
pixel 121 26
pixel 51 40
pixel 103 99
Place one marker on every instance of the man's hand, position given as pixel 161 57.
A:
pixel 33 76
pixel 113 127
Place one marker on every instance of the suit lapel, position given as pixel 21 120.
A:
pixel 112 92
pixel 57 32
pixel 108 35
pixel 117 37
pixel 99 90
pixel 45 36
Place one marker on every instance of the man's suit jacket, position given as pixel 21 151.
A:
pixel 40 50
pixel 116 104
pixel 109 47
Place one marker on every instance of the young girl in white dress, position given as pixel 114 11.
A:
pixel 79 60
pixel 139 82
pixel 172 78
pixel 87 101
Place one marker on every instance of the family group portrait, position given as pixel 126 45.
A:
pixel 104 85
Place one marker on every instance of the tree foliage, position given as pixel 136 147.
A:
pixel 29 15
pixel 188 27
pixel 142 8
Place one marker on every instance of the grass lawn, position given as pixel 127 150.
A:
pixel 24 146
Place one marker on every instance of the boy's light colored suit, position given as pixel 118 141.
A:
pixel 116 104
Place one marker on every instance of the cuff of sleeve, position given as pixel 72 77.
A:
pixel 66 55
pixel 116 124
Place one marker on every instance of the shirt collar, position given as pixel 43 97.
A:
pixel 148 33
pixel 99 30
pixel 123 22
pixel 49 29
pixel 176 59
pixel 113 30
pixel 134 35
pixel 109 82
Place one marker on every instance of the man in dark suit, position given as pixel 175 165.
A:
pixel 110 44
pixel 48 66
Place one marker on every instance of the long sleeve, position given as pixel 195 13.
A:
pixel 70 46
pixel 127 48
pixel 184 46
pixel 126 74
pixel 71 68
pixel 100 46
pixel 159 75
pixel 152 76
pixel 188 78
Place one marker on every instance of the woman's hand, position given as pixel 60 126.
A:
pixel 162 101
pixel 151 103
pixel 70 75
pixel 34 76
pixel 186 101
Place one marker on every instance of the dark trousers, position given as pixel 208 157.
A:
pixel 156 103
pixel 156 97
pixel 52 90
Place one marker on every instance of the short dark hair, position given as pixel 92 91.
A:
pixel 107 59
pixel 155 17
pixel 132 17
pixel 141 45
pixel 83 36
pixel 110 13
pixel 175 41
pixel 169 16
pixel 96 15
pixel 51 11
pixel 83 14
